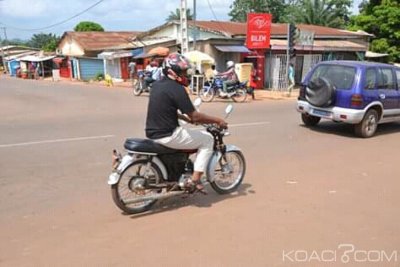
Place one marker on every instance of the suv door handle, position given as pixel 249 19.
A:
pixel 382 96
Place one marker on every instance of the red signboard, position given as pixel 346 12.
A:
pixel 258 30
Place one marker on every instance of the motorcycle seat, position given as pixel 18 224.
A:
pixel 147 146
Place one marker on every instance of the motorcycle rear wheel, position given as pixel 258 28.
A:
pixel 138 87
pixel 132 184
pixel 207 94
pixel 240 95
pixel 229 172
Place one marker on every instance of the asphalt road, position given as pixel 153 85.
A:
pixel 309 196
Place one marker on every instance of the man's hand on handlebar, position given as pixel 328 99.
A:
pixel 223 124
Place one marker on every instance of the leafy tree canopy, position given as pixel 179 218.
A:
pixel 44 41
pixel 240 8
pixel 331 13
pixel 88 26
pixel 177 15
pixel 382 19
pixel 15 41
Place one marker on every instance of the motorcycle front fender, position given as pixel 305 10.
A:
pixel 216 156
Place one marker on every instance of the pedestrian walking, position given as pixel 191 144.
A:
pixel 291 78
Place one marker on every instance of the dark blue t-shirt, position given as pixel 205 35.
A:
pixel 166 98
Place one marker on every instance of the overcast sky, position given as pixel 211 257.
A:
pixel 115 15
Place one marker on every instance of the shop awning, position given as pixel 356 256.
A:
pixel 58 60
pixel 232 48
pixel 35 58
pixel 137 51
pixel 15 57
pixel 142 55
pixel 110 55
pixel 321 45
pixel 199 57
pixel 159 51
pixel 371 54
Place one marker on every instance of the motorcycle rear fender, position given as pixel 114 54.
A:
pixel 162 167
pixel 125 162
pixel 128 160
pixel 216 156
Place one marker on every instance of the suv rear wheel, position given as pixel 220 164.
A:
pixel 310 120
pixel 367 127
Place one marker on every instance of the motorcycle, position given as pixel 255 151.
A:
pixel 238 91
pixel 139 83
pixel 150 172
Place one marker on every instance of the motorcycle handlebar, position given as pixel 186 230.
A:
pixel 214 127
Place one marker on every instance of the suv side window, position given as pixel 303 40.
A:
pixel 398 79
pixel 370 79
pixel 386 79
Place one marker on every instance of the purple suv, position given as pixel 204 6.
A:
pixel 355 92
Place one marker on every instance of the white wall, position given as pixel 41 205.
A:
pixel 169 31
pixel 69 47
pixel 173 31
pixel 113 68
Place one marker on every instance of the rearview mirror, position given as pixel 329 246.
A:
pixel 229 109
pixel 197 102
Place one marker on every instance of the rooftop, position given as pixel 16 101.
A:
pixel 95 41
pixel 237 28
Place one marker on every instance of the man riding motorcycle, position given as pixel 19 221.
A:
pixel 151 69
pixel 167 97
pixel 230 77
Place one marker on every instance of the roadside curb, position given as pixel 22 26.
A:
pixel 276 95
pixel 260 94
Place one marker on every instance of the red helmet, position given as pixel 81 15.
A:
pixel 178 68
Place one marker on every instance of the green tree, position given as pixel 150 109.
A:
pixel 88 26
pixel 44 41
pixel 329 13
pixel 240 8
pixel 366 6
pixel 14 41
pixel 382 19
pixel 177 15
pixel 51 46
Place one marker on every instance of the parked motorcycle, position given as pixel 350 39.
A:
pixel 238 91
pixel 139 83
pixel 150 172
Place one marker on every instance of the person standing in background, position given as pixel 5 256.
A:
pixel 291 78
pixel 210 73
pixel 132 69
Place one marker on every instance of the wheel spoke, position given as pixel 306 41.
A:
pixel 133 184
pixel 229 172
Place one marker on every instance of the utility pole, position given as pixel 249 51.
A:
pixel 184 32
pixel 194 25
pixel 2 49
pixel 287 53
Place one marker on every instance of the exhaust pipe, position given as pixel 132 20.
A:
pixel 152 198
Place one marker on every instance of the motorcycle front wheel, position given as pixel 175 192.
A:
pixel 133 186
pixel 229 172
pixel 240 95
pixel 207 94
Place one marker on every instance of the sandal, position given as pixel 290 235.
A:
pixel 195 186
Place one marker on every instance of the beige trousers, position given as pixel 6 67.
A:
pixel 183 138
